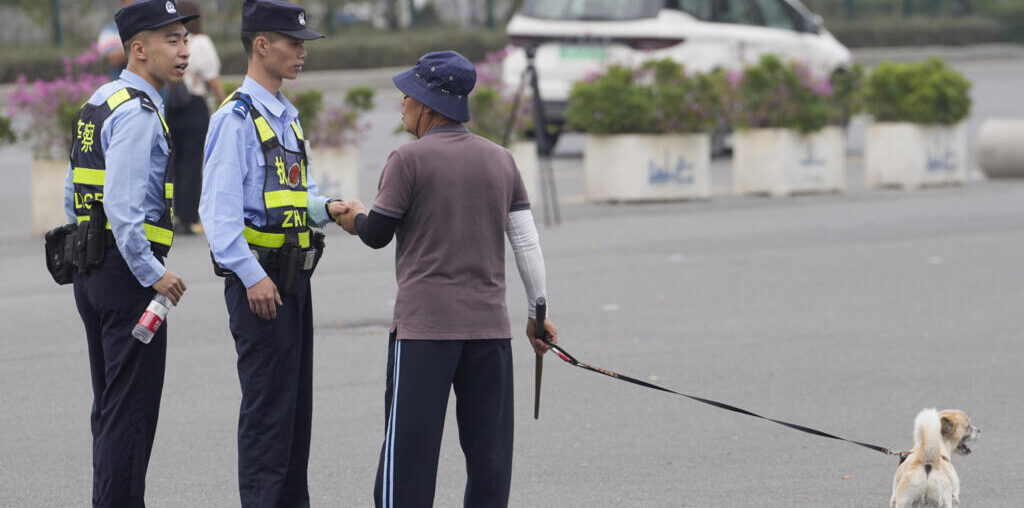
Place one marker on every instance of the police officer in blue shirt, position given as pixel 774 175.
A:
pixel 119 191
pixel 258 203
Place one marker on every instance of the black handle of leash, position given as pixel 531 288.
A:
pixel 541 333
pixel 568 358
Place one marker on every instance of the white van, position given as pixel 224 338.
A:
pixel 577 38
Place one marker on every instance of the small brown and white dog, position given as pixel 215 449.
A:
pixel 926 479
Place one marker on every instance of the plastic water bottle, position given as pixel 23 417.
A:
pixel 151 320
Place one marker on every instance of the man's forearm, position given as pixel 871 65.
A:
pixel 375 229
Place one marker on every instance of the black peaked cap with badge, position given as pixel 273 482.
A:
pixel 276 16
pixel 147 15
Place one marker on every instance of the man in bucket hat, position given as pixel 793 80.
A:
pixel 448 198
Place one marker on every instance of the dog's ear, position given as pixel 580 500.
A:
pixel 948 427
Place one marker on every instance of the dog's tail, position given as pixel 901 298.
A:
pixel 928 438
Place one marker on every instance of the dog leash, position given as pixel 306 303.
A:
pixel 568 358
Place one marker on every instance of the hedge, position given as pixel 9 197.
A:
pixel 918 32
pixel 367 48
pixel 355 49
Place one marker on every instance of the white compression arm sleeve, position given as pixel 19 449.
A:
pixel 522 234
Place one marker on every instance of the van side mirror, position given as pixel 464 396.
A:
pixel 815 23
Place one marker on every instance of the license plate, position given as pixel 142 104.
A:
pixel 582 53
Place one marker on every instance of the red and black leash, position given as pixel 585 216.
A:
pixel 568 358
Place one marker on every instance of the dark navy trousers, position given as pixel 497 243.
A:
pixel 127 380
pixel 421 373
pixel 275 370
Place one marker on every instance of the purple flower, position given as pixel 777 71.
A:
pixel 734 77
pixel 822 88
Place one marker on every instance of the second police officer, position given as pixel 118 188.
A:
pixel 119 192
pixel 257 204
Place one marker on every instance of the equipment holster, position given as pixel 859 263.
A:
pixel 289 261
pixel 95 243
pixel 316 242
pixel 58 245
pixel 89 241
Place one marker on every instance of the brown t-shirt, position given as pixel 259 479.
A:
pixel 452 191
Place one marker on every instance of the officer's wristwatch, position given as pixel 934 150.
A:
pixel 327 207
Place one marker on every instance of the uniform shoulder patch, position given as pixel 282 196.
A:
pixel 147 103
pixel 242 105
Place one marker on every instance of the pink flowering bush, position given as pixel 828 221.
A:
pixel 330 125
pixel 773 94
pixel 491 103
pixel 339 126
pixel 658 97
pixel 42 110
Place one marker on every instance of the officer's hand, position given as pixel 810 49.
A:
pixel 539 346
pixel 348 220
pixel 264 298
pixel 337 209
pixel 171 286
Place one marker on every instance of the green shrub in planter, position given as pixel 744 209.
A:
pixel 491 103
pixel 774 94
pixel 656 98
pixel 309 104
pixel 926 92
pixel 489 111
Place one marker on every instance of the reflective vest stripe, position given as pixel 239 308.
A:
pixel 264 129
pixel 88 176
pixel 272 240
pixel 164 122
pixel 298 133
pixel 168 190
pixel 117 98
pixel 231 96
pixel 157 234
pixel 277 199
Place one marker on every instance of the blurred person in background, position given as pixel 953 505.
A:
pixel 108 44
pixel 188 117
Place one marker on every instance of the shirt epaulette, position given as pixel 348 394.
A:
pixel 242 104
pixel 147 103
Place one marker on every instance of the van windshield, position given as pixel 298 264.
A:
pixel 592 10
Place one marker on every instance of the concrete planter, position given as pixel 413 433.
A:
pixel 48 176
pixel 647 167
pixel 336 171
pixel 911 155
pixel 525 154
pixel 781 162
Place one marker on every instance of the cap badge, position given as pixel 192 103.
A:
pixel 294 174
pixel 302 18
pixel 170 7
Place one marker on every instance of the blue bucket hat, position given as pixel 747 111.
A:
pixel 441 81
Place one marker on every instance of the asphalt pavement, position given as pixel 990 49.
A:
pixel 844 312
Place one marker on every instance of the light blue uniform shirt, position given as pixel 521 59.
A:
pixel 135 152
pixel 233 177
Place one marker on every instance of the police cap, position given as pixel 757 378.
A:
pixel 147 15
pixel 276 16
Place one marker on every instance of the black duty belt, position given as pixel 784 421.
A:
pixel 272 260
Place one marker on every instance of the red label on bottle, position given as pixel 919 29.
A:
pixel 150 320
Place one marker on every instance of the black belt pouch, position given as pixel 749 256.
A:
pixel 58 245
